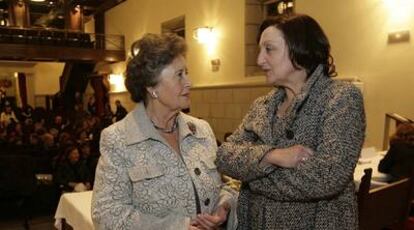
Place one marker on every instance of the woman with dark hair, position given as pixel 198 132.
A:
pixel 307 113
pixel 72 174
pixel 399 160
pixel 157 169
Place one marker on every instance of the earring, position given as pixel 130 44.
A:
pixel 154 94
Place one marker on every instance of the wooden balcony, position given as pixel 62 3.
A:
pixel 19 44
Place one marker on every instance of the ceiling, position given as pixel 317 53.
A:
pixel 50 13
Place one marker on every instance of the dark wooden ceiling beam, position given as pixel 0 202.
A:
pixel 20 52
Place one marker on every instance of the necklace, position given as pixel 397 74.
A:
pixel 165 130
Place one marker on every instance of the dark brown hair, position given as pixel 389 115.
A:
pixel 308 45
pixel 404 134
pixel 150 55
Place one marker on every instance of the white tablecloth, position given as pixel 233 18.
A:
pixel 370 161
pixel 75 208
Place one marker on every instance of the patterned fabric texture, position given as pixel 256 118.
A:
pixel 141 183
pixel 328 116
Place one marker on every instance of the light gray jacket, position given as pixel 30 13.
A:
pixel 141 183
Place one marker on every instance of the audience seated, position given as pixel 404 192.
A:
pixel 7 116
pixel 90 158
pixel 41 36
pixel 43 136
pixel 27 113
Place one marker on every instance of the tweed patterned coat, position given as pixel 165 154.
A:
pixel 141 183
pixel 328 116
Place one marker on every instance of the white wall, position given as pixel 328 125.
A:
pixel 357 31
pixel 358 35
pixel 46 78
pixel 90 26
pixel 7 70
pixel 134 18
pixel 42 79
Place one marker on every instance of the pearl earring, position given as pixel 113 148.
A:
pixel 154 94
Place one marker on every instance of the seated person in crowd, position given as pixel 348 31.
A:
pixel 91 106
pixel 89 158
pixel 27 113
pixel 399 160
pixel 7 116
pixel 72 175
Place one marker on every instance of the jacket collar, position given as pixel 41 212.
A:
pixel 312 79
pixel 187 127
pixel 275 97
pixel 139 127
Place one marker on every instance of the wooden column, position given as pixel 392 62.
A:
pixel 19 15
pixel 101 93
pixel 73 17
pixel 21 77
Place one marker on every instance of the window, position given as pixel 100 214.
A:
pixel 256 11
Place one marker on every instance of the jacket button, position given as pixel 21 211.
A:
pixel 207 202
pixel 197 171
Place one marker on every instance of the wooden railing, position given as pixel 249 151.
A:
pixel 56 37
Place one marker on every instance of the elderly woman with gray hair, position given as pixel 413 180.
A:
pixel 157 166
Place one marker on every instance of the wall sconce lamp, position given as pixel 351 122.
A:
pixel 204 34
pixel 399 36
pixel 116 82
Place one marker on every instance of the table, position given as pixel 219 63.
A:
pixel 75 208
pixel 370 159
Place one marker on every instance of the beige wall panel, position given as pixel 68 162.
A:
pixel 357 30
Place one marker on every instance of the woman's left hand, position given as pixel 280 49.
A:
pixel 214 221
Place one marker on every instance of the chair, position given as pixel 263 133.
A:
pixel 33 37
pixel 73 39
pixel 85 40
pixel 5 36
pixel 385 207
pixel 46 37
pixel 17 184
pixel 18 36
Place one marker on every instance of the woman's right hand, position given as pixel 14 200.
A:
pixel 288 157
